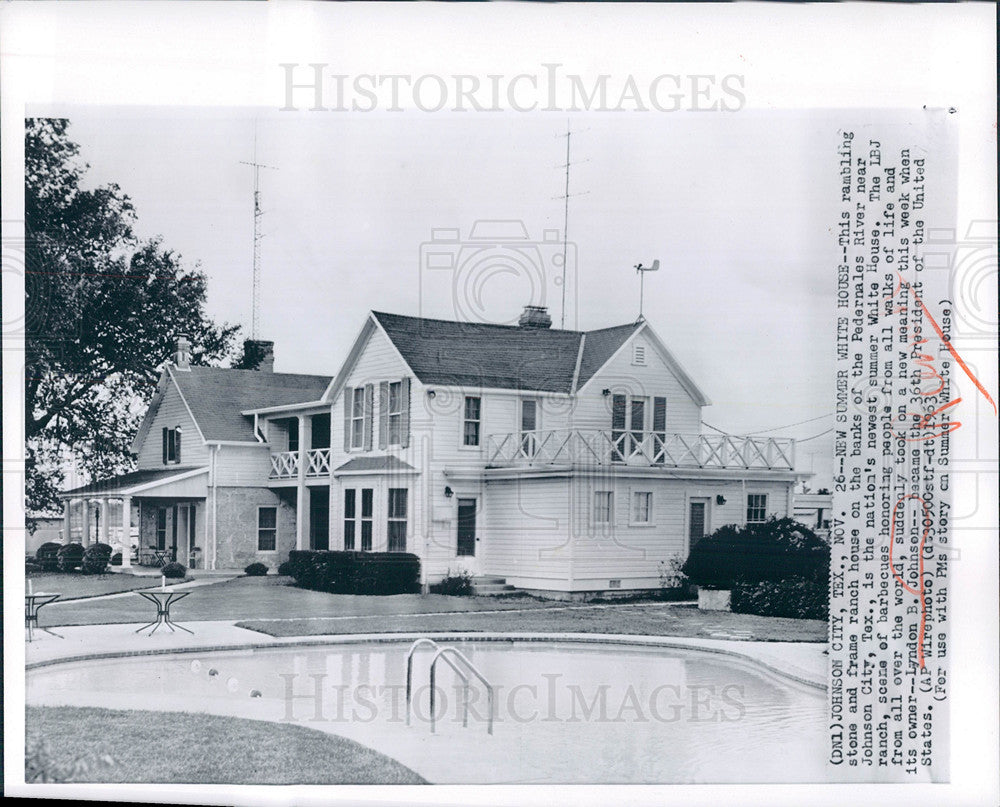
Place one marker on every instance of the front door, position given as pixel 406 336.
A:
pixel 466 528
pixel 697 521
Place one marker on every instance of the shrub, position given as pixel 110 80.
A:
pixel 116 559
pixel 285 568
pixel 255 570
pixel 355 572
pixel 96 558
pixel 47 556
pixel 455 585
pixel 31 566
pixel 796 597
pixel 174 570
pixel 42 765
pixel 69 557
pixel 771 551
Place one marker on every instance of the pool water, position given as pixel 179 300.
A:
pixel 563 712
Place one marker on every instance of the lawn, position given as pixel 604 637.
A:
pixel 75 585
pixel 163 747
pixel 654 619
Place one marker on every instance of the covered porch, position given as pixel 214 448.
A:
pixel 151 517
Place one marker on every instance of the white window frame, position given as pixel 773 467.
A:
pixel 604 501
pixel 354 519
pixel 467 420
pixel 391 519
pixel 394 415
pixel 632 508
pixel 357 418
pixel 528 439
pixel 763 507
pixel 275 528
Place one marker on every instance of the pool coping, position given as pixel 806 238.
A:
pixel 746 651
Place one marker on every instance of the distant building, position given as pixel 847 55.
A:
pixel 562 461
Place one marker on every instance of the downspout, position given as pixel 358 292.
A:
pixel 215 507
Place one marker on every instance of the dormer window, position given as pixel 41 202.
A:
pixel 171 445
pixel 638 354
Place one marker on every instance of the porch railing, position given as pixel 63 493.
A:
pixel 650 449
pixel 285 464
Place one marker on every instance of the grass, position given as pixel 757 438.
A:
pixel 653 619
pixel 73 585
pixel 204 749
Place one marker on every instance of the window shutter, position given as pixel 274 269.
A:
pixel 383 414
pixel 165 432
pixel 659 414
pixel 348 401
pixel 618 412
pixel 369 403
pixel 177 446
pixel 404 420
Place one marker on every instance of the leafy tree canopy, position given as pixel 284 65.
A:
pixel 103 309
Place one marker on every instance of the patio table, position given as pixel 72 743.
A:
pixel 32 602
pixel 162 599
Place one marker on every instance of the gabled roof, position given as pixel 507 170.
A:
pixel 500 356
pixel 217 397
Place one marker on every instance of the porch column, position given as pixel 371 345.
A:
pixel 67 520
pixel 85 516
pixel 301 491
pixel 105 505
pixel 126 532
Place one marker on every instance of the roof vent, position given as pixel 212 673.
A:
pixel 182 358
pixel 535 316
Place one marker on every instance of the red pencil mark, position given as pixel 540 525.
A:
pixel 918 592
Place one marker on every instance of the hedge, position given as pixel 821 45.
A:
pixel 255 570
pixel 341 572
pixel 772 551
pixel 47 556
pixel 796 597
pixel 174 570
pixel 69 557
pixel 96 558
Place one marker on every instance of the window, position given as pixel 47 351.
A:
pixel 659 429
pixel 529 423
pixel 161 527
pixel 397 519
pixel 473 416
pixel 638 354
pixel 350 518
pixel 367 518
pixel 395 412
pixel 357 417
pixel 756 508
pixel 602 506
pixel 171 445
pixel 642 507
pixel 293 434
pixel 267 529
pixel 627 412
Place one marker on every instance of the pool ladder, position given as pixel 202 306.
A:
pixel 450 656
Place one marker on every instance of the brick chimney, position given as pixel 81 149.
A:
pixel 535 316
pixel 258 354
pixel 182 358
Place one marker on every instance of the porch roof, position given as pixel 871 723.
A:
pixel 135 481
pixel 374 465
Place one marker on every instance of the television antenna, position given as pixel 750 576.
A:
pixel 565 197
pixel 257 235
pixel 642 275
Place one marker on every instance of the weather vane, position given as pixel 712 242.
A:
pixel 642 274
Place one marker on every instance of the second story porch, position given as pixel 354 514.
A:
pixel 571 447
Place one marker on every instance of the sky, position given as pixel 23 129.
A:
pixel 738 209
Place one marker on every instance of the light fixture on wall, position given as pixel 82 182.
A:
pixel 605 392
pixel 448 492
pixel 431 393
pixel 720 500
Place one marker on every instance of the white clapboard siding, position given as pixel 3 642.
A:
pixel 242 465
pixel 655 378
pixel 170 414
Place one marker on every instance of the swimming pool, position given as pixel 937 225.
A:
pixel 564 712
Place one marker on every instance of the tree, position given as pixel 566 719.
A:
pixel 103 309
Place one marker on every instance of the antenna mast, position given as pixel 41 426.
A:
pixel 565 198
pixel 257 235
